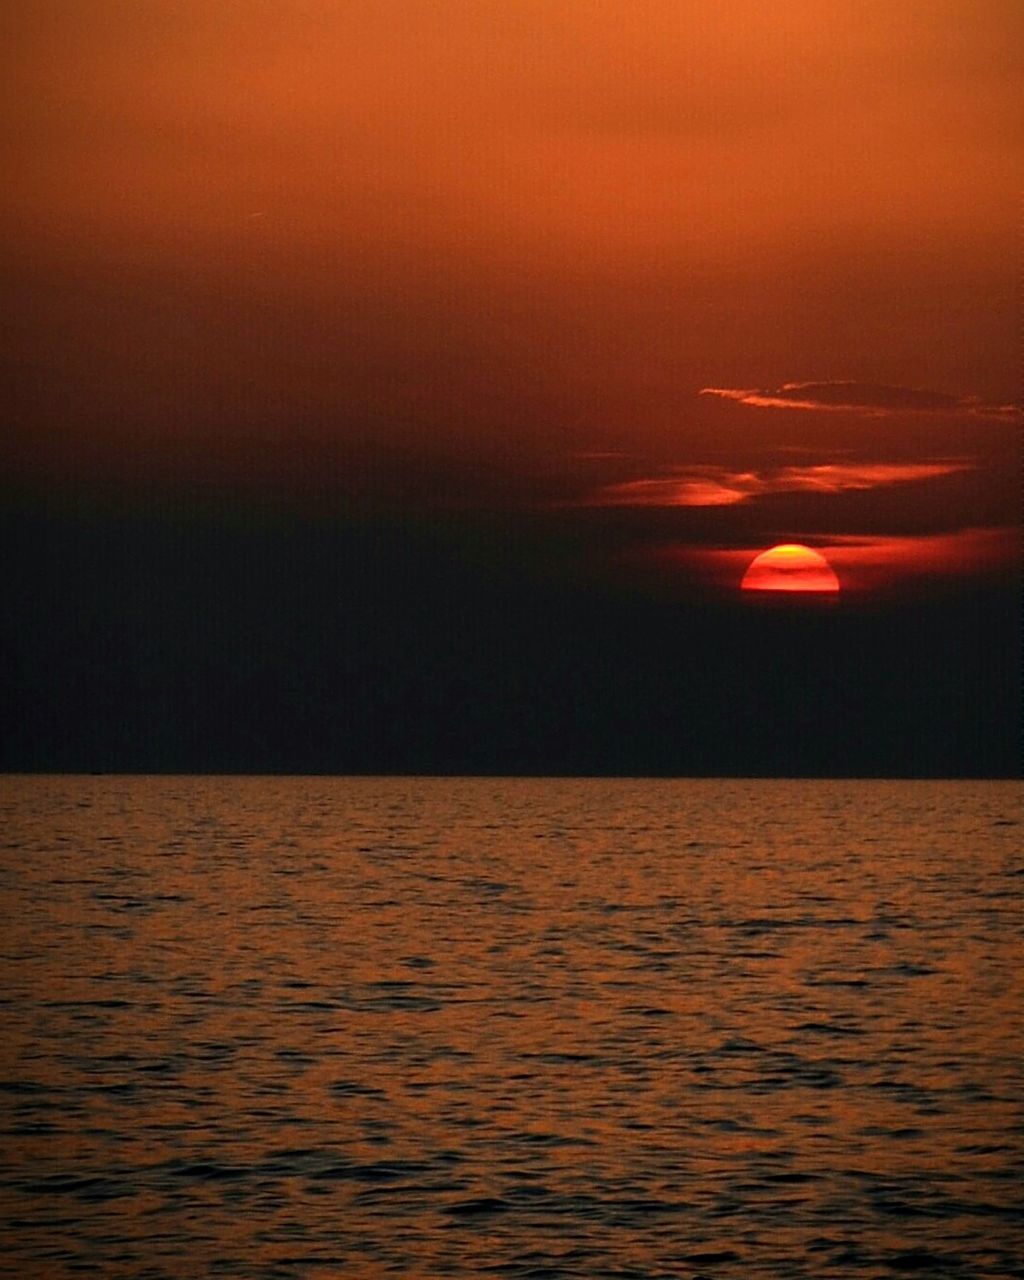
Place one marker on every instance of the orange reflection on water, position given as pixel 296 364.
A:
pixel 416 1024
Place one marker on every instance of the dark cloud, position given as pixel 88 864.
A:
pixel 872 399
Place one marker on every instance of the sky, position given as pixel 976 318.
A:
pixel 407 386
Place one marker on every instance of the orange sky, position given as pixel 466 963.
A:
pixel 291 238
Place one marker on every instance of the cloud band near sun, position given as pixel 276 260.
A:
pixel 863 563
pixel 709 486
pixel 869 399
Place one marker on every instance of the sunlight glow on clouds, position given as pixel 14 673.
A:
pixel 875 400
pixel 708 486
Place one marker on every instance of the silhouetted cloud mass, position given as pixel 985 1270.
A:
pixel 873 399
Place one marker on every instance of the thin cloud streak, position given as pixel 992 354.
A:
pixel 871 399
pixel 708 486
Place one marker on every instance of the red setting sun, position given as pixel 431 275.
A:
pixel 790 567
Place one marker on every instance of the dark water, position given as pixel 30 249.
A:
pixel 290 1027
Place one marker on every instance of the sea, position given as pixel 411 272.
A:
pixel 511 1027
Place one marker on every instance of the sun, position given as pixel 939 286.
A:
pixel 790 567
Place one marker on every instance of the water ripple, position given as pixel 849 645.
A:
pixel 699 1030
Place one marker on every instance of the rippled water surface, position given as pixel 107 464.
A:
pixel 306 1026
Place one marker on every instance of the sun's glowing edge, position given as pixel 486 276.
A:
pixel 790 567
